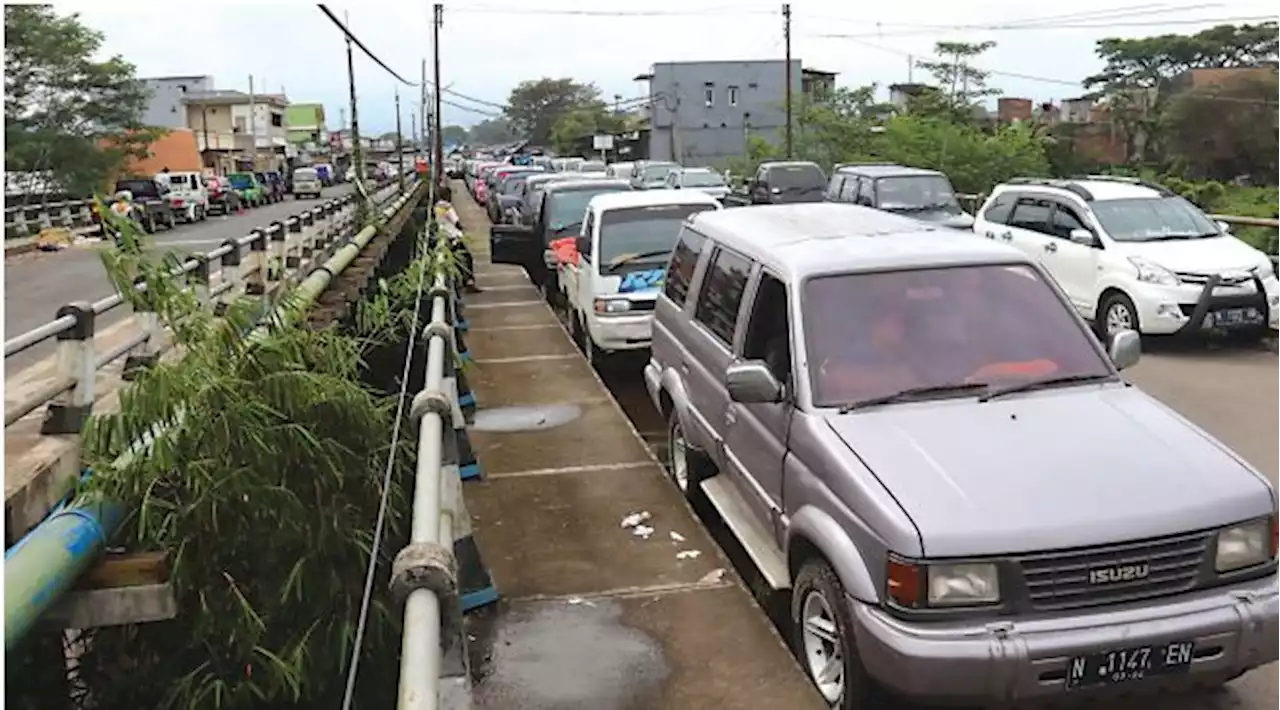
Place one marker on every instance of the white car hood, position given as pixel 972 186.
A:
pixel 1212 255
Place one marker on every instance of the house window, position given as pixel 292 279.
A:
pixel 277 119
pixel 733 96
pixel 709 94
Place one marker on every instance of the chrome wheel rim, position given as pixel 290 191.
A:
pixel 1118 318
pixel 823 651
pixel 679 458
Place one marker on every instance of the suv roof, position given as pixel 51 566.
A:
pixel 879 170
pixel 650 198
pixel 585 184
pixel 816 238
pixel 1093 187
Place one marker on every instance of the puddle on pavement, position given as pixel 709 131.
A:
pixel 508 419
pixel 565 656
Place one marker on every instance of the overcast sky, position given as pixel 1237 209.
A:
pixel 488 47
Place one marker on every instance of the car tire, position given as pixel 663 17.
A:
pixel 686 466
pixel 1116 311
pixel 823 637
pixel 150 225
pixel 171 222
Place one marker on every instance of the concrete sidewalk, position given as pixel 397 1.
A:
pixel 594 616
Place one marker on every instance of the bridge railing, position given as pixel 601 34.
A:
pixel 28 220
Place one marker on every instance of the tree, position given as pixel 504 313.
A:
pixel 491 132
pixel 1221 132
pixel 962 84
pixel 534 106
pixel 66 114
pixel 578 123
pixel 455 134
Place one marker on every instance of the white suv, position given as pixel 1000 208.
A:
pixel 1131 254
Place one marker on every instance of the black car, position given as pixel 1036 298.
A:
pixel 505 193
pixel 787 181
pixel 148 203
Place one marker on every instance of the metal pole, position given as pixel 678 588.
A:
pixel 399 144
pixel 204 128
pixel 786 33
pixel 253 127
pixel 357 156
pixel 438 163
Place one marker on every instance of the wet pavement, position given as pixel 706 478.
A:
pixel 594 614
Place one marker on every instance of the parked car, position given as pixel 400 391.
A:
pixel 1132 255
pixel 787 181
pixel 651 174
pixel 701 179
pixel 188 195
pixel 307 183
pixel 328 176
pixel 223 198
pixel 914 192
pixel 531 196
pixel 876 407
pixel 146 201
pixel 622 253
pixel 250 190
pixel 592 166
pixel 620 171
pixel 504 200
pixel 275 181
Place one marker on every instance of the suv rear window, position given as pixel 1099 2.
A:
pixel 873 334
pixel 139 188
pixel 721 294
pixel 796 176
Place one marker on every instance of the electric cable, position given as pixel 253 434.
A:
pixel 356 41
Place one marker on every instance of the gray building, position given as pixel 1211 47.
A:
pixel 703 113
pixel 165 108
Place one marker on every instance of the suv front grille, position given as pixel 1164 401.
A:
pixel 1062 580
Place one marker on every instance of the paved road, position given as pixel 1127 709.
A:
pixel 38 283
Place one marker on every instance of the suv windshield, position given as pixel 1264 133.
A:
pixel 702 179
pixel 567 208
pixel 642 234
pixel 240 181
pixel 872 335
pixel 915 192
pixel 656 173
pixel 1145 219
pixel 796 177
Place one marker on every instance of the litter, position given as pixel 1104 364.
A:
pixel 676 537
pixel 642 531
pixel 713 576
pixel 634 519
pixel 688 554
pixel 575 601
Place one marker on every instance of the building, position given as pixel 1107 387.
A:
pixel 234 129
pixel 1076 110
pixel 900 95
pixel 1218 77
pixel 164 105
pixel 305 125
pixel 1010 109
pixel 703 113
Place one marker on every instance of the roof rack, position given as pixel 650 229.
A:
pixel 1160 189
pixel 866 164
pixel 1067 185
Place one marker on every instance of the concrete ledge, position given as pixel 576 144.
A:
pixel 91 608
pixel 594 438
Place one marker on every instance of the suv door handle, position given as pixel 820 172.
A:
pixel 1007 236
pixel 1051 247
pixel 730 417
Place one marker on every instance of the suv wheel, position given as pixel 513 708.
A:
pixel 1117 313
pixel 686 466
pixel 171 222
pixel 824 637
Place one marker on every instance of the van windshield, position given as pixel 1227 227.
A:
pixel 567 208
pixel 915 193
pixel 642 234
pixel 240 181
pixel 872 335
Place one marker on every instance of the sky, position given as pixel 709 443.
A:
pixel 1043 50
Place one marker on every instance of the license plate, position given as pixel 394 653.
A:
pixel 1236 316
pixel 1129 664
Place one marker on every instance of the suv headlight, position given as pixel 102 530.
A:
pixel 1153 273
pixel 1244 546
pixel 609 306
pixel 921 585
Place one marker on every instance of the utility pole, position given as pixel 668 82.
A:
pixel 437 162
pixel 423 150
pixel 253 127
pixel 356 154
pixel 786 34
pixel 399 145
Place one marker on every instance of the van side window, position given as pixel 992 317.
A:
pixel 998 211
pixel 849 193
pixel 684 261
pixel 587 227
pixel 867 192
pixel 768 331
pixel 1031 214
pixel 833 187
pixel 721 294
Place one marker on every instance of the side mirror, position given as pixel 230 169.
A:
pixel 583 245
pixel 1125 349
pixel 1082 236
pixel 751 382
pixel 1223 226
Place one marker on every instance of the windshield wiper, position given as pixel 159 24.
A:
pixel 1176 237
pixel 561 229
pixel 911 393
pixel 622 261
pixel 1041 384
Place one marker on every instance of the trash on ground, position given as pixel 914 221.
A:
pixel 642 531
pixel 676 537
pixel 634 519
pixel 578 600
pixel 713 576
pixel 688 554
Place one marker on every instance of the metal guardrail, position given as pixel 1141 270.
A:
pixel 27 220
pixel 296 243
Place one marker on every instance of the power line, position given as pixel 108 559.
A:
pixel 940 29
pixel 360 44
pixel 1147 9
pixel 736 11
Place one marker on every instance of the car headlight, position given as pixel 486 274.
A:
pixel 1244 546
pixel 1266 269
pixel 1152 273
pixel 607 306
pixel 963 584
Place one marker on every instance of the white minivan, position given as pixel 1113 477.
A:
pixel 623 250
pixel 188 195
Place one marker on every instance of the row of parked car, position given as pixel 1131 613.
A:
pixel 878 406
pixel 170 198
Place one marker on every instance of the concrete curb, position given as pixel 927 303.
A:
pixel 20 245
